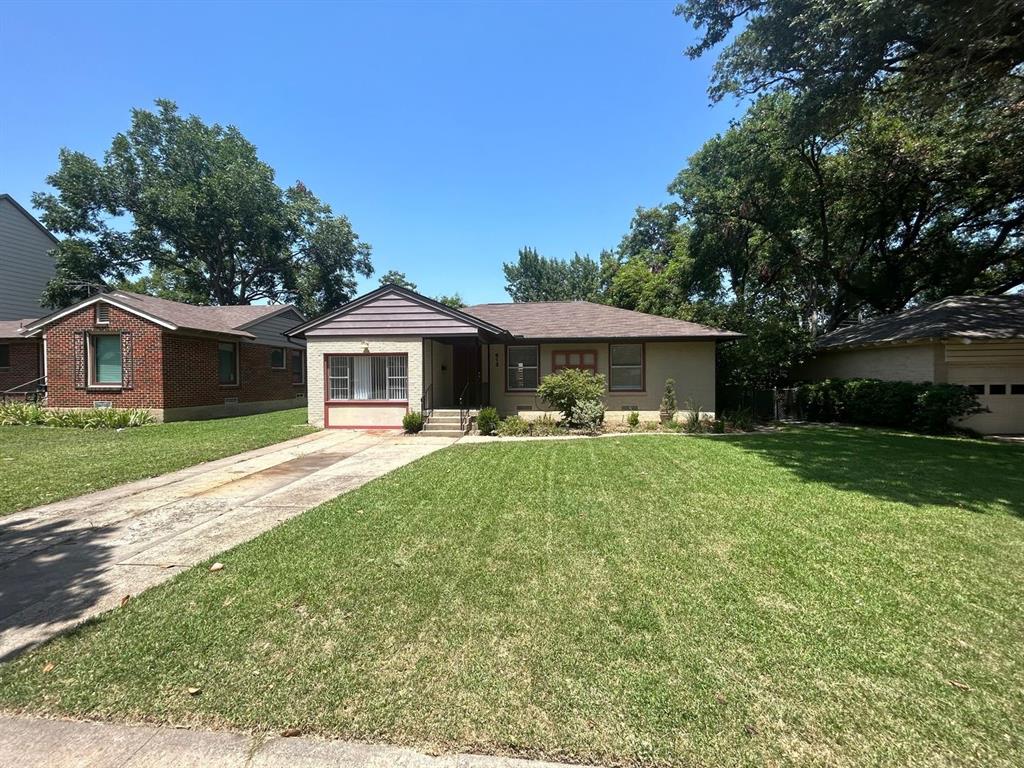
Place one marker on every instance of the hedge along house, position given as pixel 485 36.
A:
pixel 976 341
pixel 180 361
pixel 393 351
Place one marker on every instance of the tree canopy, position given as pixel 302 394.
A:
pixel 537 278
pixel 394 277
pixel 188 210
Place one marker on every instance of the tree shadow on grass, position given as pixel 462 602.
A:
pixel 50 572
pixel 912 469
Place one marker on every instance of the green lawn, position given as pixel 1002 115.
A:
pixel 42 464
pixel 816 597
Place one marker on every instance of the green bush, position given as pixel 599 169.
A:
pixel 514 426
pixel 633 419
pixel 668 400
pixel 587 415
pixel 30 414
pixel 568 388
pixel 412 422
pixel 487 420
pixel 741 419
pixel 897 404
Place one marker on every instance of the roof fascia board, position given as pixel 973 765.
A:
pixel 105 297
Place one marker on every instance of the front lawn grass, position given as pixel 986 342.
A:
pixel 817 597
pixel 43 464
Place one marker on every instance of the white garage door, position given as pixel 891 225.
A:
pixel 1000 389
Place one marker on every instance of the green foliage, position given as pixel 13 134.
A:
pixel 570 387
pixel 669 404
pixel 412 422
pixel 394 277
pixel 741 419
pixel 194 207
pixel 896 404
pixel 31 414
pixel 537 278
pixel 587 415
pixel 633 420
pixel 545 426
pixel 487 420
pixel 514 426
pixel 454 301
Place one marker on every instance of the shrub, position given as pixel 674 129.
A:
pixel 487 420
pixel 633 419
pixel 564 389
pixel 741 419
pixel 718 426
pixel 587 415
pixel 29 414
pixel 514 426
pixel 412 422
pixel 544 426
pixel 668 400
pixel 693 421
pixel 898 404
pixel 939 404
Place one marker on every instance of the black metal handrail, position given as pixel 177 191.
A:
pixel 27 395
pixel 463 409
pixel 426 402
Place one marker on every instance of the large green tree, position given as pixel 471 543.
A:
pixel 533 277
pixel 192 211
pixel 394 277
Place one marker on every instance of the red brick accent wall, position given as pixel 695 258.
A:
pixel 24 359
pixel 143 369
pixel 191 374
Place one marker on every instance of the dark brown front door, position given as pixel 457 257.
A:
pixel 466 372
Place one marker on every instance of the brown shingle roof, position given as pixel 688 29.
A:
pixel 11 329
pixel 586 320
pixel 230 320
pixel 971 317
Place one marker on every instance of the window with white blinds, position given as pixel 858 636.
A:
pixel 368 377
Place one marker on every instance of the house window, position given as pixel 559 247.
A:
pixel 626 367
pixel 584 360
pixel 977 389
pixel 368 377
pixel 103 314
pixel 227 363
pixel 522 365
pixel 997 389
pixel 5 355
pixel 298 367
pixel 1017 389
pixel 277 358
pixel 105 360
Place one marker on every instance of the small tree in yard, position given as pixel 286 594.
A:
pixel 576 395
pixel 669 406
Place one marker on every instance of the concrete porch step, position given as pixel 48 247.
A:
pixel 442 433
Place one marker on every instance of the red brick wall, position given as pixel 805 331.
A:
pixel 144 367
pixel 24 359
pixel 191 374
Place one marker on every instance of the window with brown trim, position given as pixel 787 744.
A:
pixel 583 359
pixel 227 363
pixel 277 358
pixel 105 364
pixel 522 368
pixel 625 367
pixel 5 355
pixel 298 367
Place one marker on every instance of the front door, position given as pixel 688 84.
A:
pixel 466 373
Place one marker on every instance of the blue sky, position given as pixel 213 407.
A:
pixel 451 134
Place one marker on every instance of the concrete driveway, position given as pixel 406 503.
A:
pixel 65 562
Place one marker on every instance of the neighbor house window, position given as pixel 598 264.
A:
pixel 585 360
pixel 277 358
pixel 298 367
pixel 1017 389
pixel 5 355
pixel 997 389
pixel 522 364
pixel 367 377
pixel 105 360
pixel 227 363
pixel 977 389
pixel 626 367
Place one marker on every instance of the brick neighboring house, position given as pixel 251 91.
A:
pixel 180 361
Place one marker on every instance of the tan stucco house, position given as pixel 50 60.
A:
pixel 393 351
pixel 977 341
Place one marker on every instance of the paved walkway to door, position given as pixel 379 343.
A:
pixel 65 562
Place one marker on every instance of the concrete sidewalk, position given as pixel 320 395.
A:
pixel 28 742
pixel 65 562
